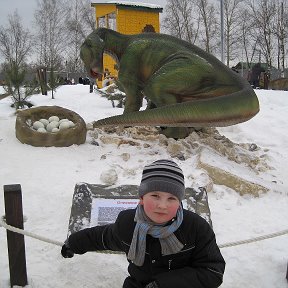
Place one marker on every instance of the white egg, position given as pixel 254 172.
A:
pixel 51 125
pixel 41 130
pixel 37 125
pixel 55 130
pixel 71 124
pixel 64 125
pixel 53 118
pixel 63 120
pixel 44 121
pixel 55 123
pixel 29 122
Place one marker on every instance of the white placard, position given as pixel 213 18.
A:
pixel 105 211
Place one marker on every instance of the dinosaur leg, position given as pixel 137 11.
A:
pixel 169 86
pixel 175 132
pixel 134 97
pixel 134 102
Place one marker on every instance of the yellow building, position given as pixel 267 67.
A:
pixel 126 18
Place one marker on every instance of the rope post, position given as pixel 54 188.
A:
pixel 287 272
pixel 16 245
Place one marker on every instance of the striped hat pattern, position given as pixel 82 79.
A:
pixel 164 176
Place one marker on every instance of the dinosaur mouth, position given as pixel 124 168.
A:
pixel 95 74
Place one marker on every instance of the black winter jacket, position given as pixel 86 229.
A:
pixel 198 265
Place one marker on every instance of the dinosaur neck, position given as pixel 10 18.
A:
pixel 115 43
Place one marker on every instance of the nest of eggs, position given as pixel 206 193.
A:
pixel 70 127
pixel 53 124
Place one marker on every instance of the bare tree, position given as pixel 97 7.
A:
pixel 263 13
pixel 80 22
pixel 15 46
pixel 281 34
pixel 15 41
pixel 51 36
pixel 209 24
pixel 179 20
pixel 247 42
pixel 88 16
pixel 232 12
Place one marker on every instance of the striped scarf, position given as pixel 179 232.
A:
pixel 168 241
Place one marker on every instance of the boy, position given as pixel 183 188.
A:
pixel 166 246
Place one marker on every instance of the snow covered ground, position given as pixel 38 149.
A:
pixel 48 177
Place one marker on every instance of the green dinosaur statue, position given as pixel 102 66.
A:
pixel 186 86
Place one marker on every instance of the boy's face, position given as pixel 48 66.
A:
pixel 160 207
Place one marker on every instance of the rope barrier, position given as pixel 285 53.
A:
pixel 256 239
pixel 58 243
pixel 30 234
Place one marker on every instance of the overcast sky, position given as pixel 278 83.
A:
pixel 26 9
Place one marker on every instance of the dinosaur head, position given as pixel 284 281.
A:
pixel 91 54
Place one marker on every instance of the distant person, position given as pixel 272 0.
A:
pixel 255 75
pixel 67 81
pixel 86 81
pixel 166 245
pixel 266 79
pixel 249 76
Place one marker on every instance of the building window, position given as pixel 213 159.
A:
pixel 112 21
pixel 101 22
pixel 107 21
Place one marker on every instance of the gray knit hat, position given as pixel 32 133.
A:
pixel 164 176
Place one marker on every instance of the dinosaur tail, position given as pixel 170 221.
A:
pixel 220 111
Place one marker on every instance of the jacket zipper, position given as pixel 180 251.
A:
pixel 170 260
pixel 169 264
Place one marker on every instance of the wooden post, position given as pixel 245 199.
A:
pixel 16 245
pixel 287 272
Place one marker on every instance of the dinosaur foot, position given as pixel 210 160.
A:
pixel 175 132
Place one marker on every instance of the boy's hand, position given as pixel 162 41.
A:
pixel 66 251
pixel 152 285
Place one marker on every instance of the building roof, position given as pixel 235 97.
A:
pixel 128 3
pixel 245 65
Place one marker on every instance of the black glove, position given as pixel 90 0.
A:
pixel 66 250
pixel 152 285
